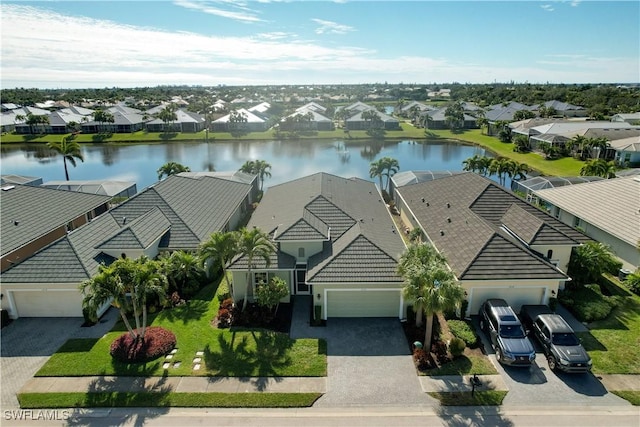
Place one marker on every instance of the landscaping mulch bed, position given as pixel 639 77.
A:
pixel 255 316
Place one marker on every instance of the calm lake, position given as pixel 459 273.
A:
pixel 289 159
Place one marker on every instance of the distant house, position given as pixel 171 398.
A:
pixel 355 121
pixel 177 213
pixel 627 151
pixel 558 133
pixel 186 121
pixel 336 242
pixel 632 118
pixel 436 119
pixel 496 244
pixel 563 109
pixel 606 210
pixel 440 93
pixel 34 217
pixel 252 122
pixel 307 117
pixel 126 120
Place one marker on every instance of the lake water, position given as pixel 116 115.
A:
pixel 289 159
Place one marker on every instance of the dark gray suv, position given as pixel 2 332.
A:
pixel 502 326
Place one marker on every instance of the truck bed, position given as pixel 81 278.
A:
pixel 529 312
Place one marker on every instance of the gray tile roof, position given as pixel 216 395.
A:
pixel 149 214
pixel 612 205
pixel 38 211
pixel 302 230
pixel 465 216
pixel 139 233
pixel 359 225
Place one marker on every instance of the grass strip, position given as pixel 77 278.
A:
pixel 632 397
pixel 464 398
pixel 464 365
pixel 186 400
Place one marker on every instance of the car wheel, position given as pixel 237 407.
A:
pixel 552 363
pixel 499 355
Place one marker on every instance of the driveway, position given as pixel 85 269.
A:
pixel 369 362
pixel 538 385
pixel 27 343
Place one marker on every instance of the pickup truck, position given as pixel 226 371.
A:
pixel 559 342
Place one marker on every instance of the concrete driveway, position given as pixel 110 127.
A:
pixel 27 343
pixel 369 362
pixel 538 385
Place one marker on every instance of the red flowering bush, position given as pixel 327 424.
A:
pixel 157 341
pixel 421 357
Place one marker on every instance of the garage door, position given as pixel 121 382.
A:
pixel 514 296
pixel 363 303
pixel 48 303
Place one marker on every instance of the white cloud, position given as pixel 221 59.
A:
pixel 276 35
pixel 330 27
pixel 226 9
pixel 575 3
pixel 547 7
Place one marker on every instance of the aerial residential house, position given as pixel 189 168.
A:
pixel 608 211
pixel 403 178
pixel 336 242
pixel 496 244
pixel 34 217
pixel 355 121
pixel 177 213
pixel 558 133
pixel 9 179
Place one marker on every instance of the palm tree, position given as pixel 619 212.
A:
pixel 184 272
pixel 262 170
pixel 589 261
pixel 376 169
pixel 429 284
pixel 251 244
pixel 471 164
pixel 171 168
pixel 390 168
pixel 168 114
pixel 221 247
pixel 127 284
pixel 70 150
pixel 599 167
pixel 248 167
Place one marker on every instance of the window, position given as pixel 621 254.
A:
pixel 300 252
pixel 576 221
pixel 260 278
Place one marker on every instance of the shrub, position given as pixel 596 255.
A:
pixel 588 303
pixel 225 318
pixel 156 342
pixel 464 331
pixel 456 347
pixel 421 357
pixel 633 282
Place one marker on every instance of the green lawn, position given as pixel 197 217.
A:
pixel 465 365
pixel 226 352
pixel 192 400
pixel 632 397
pixel 613 343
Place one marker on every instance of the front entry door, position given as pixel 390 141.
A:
pixel 302 288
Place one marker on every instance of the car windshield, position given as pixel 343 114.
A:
pixel 511 331
pixel 565 339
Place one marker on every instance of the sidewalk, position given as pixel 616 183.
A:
pixel 453 383
pixel 176 384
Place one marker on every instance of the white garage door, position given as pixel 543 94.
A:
pixel 515 297
pixel 48 303
pixel 363 303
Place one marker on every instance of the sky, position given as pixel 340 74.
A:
pixel 97 44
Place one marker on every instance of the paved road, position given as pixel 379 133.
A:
pixel 348 417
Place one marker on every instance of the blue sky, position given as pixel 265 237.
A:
pixel 77 44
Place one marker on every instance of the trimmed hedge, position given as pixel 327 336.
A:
pixel 463 330
pixel 588 303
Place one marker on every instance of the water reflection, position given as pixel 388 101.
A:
pixel 290 159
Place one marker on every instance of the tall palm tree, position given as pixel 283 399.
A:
pixel 262 170
pixel 248 167
pixel 376 169
pixel 429 284
pixel 184 272
pixel 471 164
pixel 221 247
pixel 70 150
pixel 390 168
pixel 171 168
pixel 599 167
pixel 254 243
pixel 127 284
